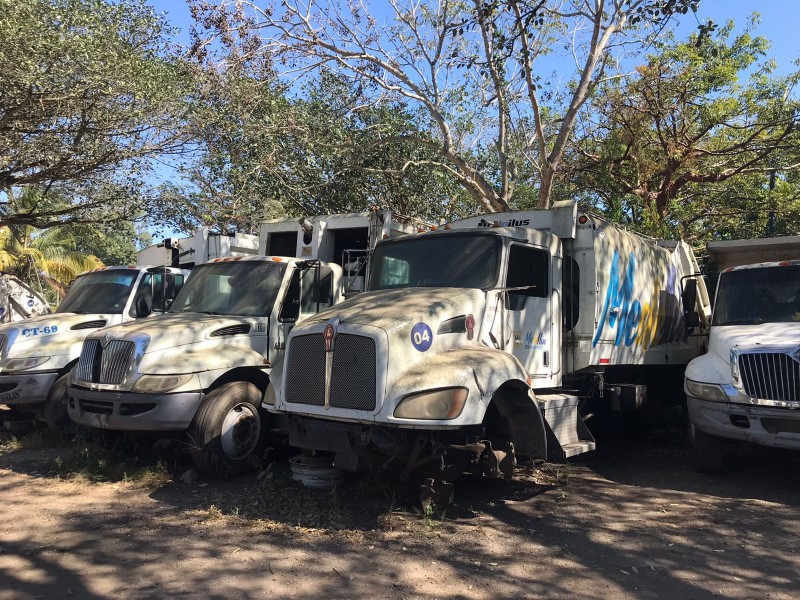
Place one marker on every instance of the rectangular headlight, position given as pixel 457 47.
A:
pixel 156 384
pixel 706 391
pixel 22 364
pixel 435 405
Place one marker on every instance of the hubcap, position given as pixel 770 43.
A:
pixel 241 429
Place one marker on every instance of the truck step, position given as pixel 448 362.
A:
pixel 567 434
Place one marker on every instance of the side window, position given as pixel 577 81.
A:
pixel 527 268
pixel 571 295
pixel 290 308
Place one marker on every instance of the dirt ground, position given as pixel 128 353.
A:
pixel 632 520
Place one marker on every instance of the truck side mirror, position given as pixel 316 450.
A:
pixel 323 291
pixel 144 303
pixel 169 286
pixel 689 295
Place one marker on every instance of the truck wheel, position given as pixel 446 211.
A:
pixel 708 451
pixel 228 432
pixel 54 411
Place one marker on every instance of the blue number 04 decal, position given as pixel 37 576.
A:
pixel 421 336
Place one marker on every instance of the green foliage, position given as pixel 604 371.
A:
pixel 263 153
pixel 89 95
pixel 687 145
pixel 49 259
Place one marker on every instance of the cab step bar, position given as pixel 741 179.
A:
pixel 567 434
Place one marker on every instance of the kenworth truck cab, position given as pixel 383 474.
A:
pixel 204 365
pixel 747 386
pixel 37 354
pixel 484 340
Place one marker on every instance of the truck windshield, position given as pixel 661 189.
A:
pixel 447 260
pixel 246 289
pixel 760 295
pixel 103 292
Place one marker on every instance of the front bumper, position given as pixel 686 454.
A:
pixel 26 388
pixel 130 411
pixel 764 425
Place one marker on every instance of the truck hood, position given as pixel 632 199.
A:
pixel 394 310
pixel 768 335
pixel 57 331
pixel 174 329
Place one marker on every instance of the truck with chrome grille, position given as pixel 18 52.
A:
pixel 485 340
pixel 37 354
pixel 747 386
pixel 203 366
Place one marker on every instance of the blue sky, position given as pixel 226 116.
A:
pixel 779 19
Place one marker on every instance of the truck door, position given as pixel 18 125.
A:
pixel 529 309
pixel 310 290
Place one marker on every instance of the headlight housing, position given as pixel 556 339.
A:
pixel 28 362
pixel 706 391
pixel 438 405
pixel 156 384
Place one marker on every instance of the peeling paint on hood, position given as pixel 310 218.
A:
pixel 50 335
pixel 723 338
pixel 172 329
pixel 396 309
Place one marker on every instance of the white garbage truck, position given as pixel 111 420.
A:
pixel 747 386
pixel 490 338
pixel 19 301
pixel 36 354
pixel 204 366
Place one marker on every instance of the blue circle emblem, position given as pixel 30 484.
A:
pixel 421 336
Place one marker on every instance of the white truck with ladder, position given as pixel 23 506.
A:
pixel 203 367
pixel 747 386
pixel 37 354
pixel 490 339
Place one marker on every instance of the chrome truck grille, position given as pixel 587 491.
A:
pixel 109 364
pixel 353 375
pixel 770 376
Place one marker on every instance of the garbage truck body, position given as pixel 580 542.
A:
pixel 37 354
pixel 747 386
pixel 19 301
pixel 204 365
pixel 487 340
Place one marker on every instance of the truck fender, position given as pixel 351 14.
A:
pixel 258 377
pixel 199 359
pixel 492 378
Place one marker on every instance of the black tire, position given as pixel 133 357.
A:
pixel 54 411
pixel 229 432
pixel 708 452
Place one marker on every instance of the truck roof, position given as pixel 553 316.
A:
pixel 736 253
pixel 259 258
pixel 765 265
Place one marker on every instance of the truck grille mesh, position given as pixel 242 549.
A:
pixel 104 365
pixel 353 377
pixel 305 370
pixel 770 376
